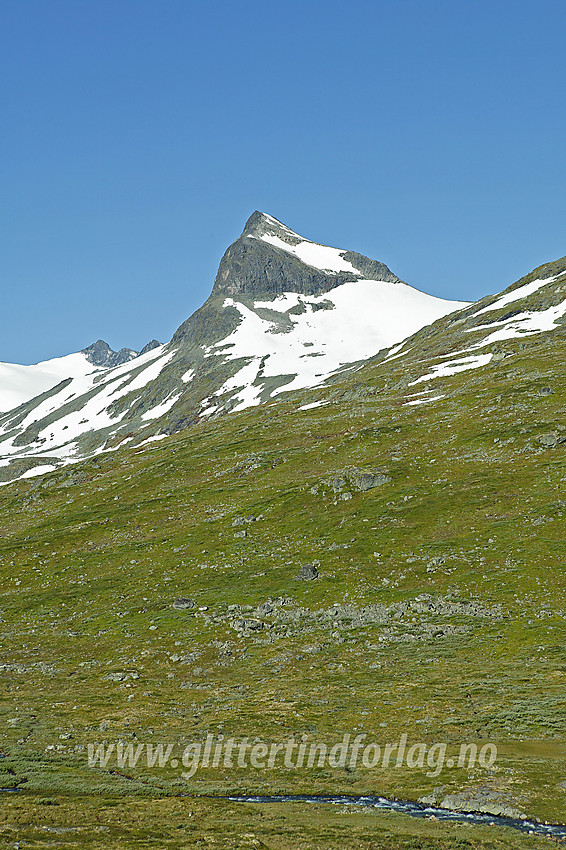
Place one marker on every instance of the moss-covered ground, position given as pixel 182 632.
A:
pixel 463 549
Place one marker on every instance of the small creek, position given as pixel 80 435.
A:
pixel 416 810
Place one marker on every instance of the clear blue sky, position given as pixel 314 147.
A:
pixel 137 136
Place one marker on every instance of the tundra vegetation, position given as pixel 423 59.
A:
pixel 365 565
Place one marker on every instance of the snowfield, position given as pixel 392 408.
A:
pixel 95 392
pixel 19 384
pixel 352 322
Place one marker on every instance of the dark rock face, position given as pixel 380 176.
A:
pixel 254 267
pixel 100 354
pixel 209 324
pixel 153 343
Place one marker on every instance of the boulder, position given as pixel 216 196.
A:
pixel 183 604
pixel 307 572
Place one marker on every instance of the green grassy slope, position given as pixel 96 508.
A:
pixel 102 823
pixel 439 609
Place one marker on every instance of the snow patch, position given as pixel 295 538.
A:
pixel 153 439
pixel 318 256
pixel 422 400
pixel 37 470
pixel 208 411
pixel 452 367
pixel 161 409
pixel 522 292
pixel 313 404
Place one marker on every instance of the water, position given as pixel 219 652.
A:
pixel 416 810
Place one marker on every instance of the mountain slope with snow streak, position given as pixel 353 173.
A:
pixel 285 314
pixel 486 334
pixel 55 427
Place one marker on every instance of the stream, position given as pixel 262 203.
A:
pixel 416 810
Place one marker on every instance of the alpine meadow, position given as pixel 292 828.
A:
pixel 328 514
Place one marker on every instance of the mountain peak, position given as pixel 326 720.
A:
pixel 269 259
pixel 100 354
pixel 260 223
pixel 150 346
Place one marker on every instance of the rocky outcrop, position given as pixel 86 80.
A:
pixel 352 478
pixel 482 800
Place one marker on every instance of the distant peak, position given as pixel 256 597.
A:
pixel 153 343
pixel 100 354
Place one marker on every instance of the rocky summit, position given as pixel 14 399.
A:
pixel 100 353
pixel 270 259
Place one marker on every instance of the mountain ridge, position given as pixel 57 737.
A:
pixel 256 337
pixel 99 353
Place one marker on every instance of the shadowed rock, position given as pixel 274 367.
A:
pixel 184 604
pixel 307 572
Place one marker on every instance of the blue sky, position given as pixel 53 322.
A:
pixel 137 137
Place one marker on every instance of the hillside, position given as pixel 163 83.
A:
pixel 158 593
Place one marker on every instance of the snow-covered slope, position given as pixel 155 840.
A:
pixel 284 314
pixel 20 383
pixel 305 339
pixel 48 429
pixel 487 333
